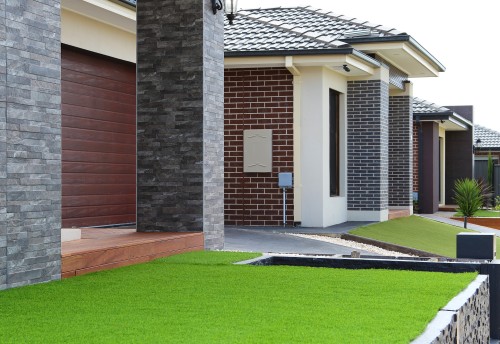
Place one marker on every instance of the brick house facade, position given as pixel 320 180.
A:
pixel 257 98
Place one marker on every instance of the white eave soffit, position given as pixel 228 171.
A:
pixel 104 11
pixel 356 66
pixel 403 56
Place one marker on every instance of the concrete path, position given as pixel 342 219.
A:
pixel 335 229
pixel 443 219
pixel 275 240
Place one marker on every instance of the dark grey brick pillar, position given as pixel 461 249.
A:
pixel 367 146
pixel 400 152
pixel 180 118
pixel 30 142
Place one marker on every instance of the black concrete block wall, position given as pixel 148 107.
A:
pixel 180 124
pixel 400 151
pixel 367 145
pixel 30 142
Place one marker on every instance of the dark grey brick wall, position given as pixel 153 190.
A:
pixel 367 145
pixel 30 142
pixel 400 151
pixel 180 106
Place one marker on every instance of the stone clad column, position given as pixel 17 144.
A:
pixel 401 149
pixel 367 148
pixel 30 142
pixel 180 123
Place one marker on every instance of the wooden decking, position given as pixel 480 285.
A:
pixel 396 213
pixel 108 248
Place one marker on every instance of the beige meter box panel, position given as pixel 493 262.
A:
pixel 258 150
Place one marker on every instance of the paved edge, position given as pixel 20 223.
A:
pixel 389 246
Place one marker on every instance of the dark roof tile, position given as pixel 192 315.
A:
pixel 294 28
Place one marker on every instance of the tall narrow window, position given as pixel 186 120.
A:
pixel 334 143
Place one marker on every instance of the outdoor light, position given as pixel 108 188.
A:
pixel 231 8
pixel 476 146
pixel 216 5
pixel 347 69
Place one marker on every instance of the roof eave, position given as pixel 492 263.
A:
pixel 399 38
pixel 296 52
pixel 444 116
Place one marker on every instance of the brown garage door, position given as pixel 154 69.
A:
pixel 98 139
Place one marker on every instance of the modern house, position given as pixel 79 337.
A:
pixel 486 142
pixel 442 152
pixel 331 95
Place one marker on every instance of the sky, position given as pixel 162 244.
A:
pixel 458 33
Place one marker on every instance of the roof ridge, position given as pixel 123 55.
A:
pixel 332 41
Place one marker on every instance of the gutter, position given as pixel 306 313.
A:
pixel 398 38
pixel 298 52
pixel 444 116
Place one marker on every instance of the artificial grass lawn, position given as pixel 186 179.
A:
pixel 481 213
pixel 201 298
pixel 416 232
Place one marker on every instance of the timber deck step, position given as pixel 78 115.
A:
pixel 108 248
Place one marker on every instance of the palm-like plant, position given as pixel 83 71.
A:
pixel 468 196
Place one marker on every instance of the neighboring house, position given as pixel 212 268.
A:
pixel 335 95
pixel 442 152
pixel 487 141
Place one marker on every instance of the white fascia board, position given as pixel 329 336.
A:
pixel 104 11
pixel 255 62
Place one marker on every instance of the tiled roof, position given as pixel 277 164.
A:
pixel 489 138
pixel 298 28
pixel 424 106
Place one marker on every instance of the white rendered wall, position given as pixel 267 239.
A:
pixel 92 35
pixel 318 208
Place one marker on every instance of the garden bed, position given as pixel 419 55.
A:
pixel 491 222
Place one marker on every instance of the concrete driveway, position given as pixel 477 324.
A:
pixel 275 240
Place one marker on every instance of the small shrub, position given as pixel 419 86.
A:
pixel 497 203
pixel 468 196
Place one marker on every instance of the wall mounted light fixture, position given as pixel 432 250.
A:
pixel 476 146
pixel 216 6
pixel 230 8
pixel 346 68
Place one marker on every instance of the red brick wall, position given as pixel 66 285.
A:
pixel 415 157
pixel 260 98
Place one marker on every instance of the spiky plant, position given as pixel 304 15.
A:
pixel 468 197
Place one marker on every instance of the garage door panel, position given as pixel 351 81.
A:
pixel 111 95
pixel 98 139
pixel 109 158
pixel 100 178
pixel 96 125
pixel 96 65
pixel 109 147
pixel 103 115
pixel 89 221
pixel 104 200
pixel 97 189
pixel 98 103
pixel 94 136
pixel 79 167
pixel 97 82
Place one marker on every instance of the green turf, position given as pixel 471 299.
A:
pixel 482 213
pixel 416 232
pixel 201 298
